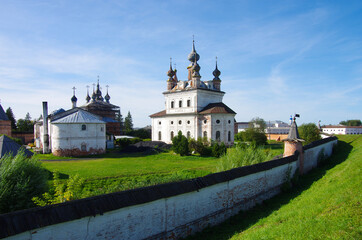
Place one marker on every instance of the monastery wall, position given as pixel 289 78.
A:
pixel 166 211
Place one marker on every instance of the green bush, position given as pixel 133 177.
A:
pixel 180 144
pixel 201 146
pixel 21 179
pixel 252 136
pixel 218 149
pixel 124 142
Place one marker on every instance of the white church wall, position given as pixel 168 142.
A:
pixel 70 139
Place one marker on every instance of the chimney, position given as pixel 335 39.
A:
pixel 45 128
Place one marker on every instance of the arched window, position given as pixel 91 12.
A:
pixel 180 103
pixel 189 103
pixel 218 136
pixel 159 136
pixel 172 135
pixel 205 134
pixel 84 127
pixel 172 104
pixel 83 147
pixel 188 134
pixel 229 136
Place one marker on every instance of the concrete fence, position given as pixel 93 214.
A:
pixel 166 211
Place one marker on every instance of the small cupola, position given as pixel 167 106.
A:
pixel 107 97
pixel 88 98
pixel 216 80
pixel 74 99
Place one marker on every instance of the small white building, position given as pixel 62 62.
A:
pixel 74 132
pixel 341 130
pixel 194 107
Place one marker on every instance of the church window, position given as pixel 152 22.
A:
pixel 172 135
pixel 83 147
pixel 229 121
pixel 189 103
pixel 172 104
pixel 102 129
pixel 188 134
pixel 205 121
pixel 205 134
pixel 180 122
pixel 229 136
pixel 188 122
pixel 171 122
pixel 180 103
pixel 159 136
pixel 159 123
pixel 218 121
pixel 84 127
pixel 218 136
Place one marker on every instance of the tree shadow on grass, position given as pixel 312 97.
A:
pixel 244 220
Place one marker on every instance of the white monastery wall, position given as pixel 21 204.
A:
pixel 208 201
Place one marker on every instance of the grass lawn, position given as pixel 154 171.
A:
pixel 325 204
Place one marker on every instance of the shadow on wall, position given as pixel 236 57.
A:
pixel 244 220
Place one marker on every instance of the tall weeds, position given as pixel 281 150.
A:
pixel 243 156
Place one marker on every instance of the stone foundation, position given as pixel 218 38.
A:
pixel 77 152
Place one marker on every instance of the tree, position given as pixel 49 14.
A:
pixel 128 124
pixel 25 125
pixel 21 179
pixel 10 114
pixel 180 144
pixel 258 124
pixel 309 132
pixel 354 122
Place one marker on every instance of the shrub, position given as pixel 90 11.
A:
pixel 218 149
pixel 180 144
pixel 252 136
pixel 124 142
pixel 201 146
pixel 21 179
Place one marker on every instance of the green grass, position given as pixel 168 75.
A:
pixel 325 204
pixel 131 165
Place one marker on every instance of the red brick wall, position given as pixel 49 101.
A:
pixel 26 137
pixel 5 127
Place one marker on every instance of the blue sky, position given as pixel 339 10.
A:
pixel 276 58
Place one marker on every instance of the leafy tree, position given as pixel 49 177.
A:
pixel 141 133
pixel 25 125
pixel 10 114
pixel 200 146
pixel 180 144
pixel 128 124
pixel 354 122
pixel 258 124
pixel 309 132
pixel 21 179
pixel 253 136
pixel 218 150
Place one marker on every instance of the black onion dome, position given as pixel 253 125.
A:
pixel 107 97
pixel 74 98
pixel 216 73
pixel 88 98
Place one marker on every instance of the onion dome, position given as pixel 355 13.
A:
pixel 193 54
pixel 74 98
pixel 195 69
pixel 88 98
pixel 216 72
pixel 170 72
pixel 107 97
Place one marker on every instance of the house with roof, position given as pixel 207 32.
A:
pixel 194 107
pixel 74 132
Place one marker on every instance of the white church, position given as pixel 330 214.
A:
pixel 194 107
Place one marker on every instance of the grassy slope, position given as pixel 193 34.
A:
pixel 324 205
pixel 131 165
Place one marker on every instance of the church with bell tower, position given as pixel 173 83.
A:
pixel 194 107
